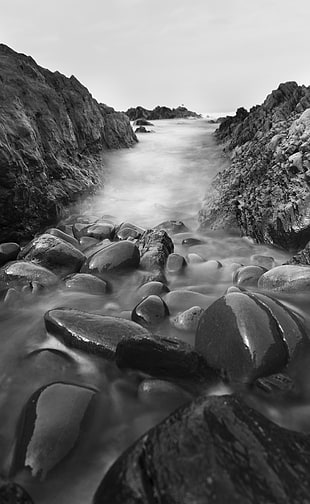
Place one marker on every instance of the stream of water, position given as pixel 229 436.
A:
pixel 166 176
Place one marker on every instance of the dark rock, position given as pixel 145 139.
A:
pixel 248 276
pixel 142 129
pixel 190 242
pixel 286 278
pixel 113 258
pixel 302 257
pixel 153 287
pixel 126 231
pixel 53 134
pixel 63 236
pixel 162 357
pixel 142 122
pixel 87 242
pixel 101 231
pixel 53 253
pixel 95 247
pixel 83 282
pixel 216 449
pixel 265 191
pixel 160 113
pixel 97 334
pixel 239 338
pixel 79 229
pixel 8 252
pixel 172 227
pixel 150 311
pixel 175 263
pixel 23 273
pixel 12 493
pixel 155 246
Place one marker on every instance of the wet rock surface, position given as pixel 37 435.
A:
pixel 113 258
pixel 11 493
pixel 217 449
pixel 286 278
pixel 53 152
pixel 265 191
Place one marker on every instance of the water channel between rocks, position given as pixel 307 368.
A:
pixel 164 177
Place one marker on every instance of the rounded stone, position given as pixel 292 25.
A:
pixel 53 253
pixel 286 278
pixel 188 320
pixel 153 287
pixel 267 262
pixel 86 242
pixel 127 230
pixel 181 300
pixel 25 273
pixel 240 339
pixel 8 252
pixel 113 258
pixel 64 236
pixel 193 258
pixel 191 242
pixel 101 231
pixel 98 334
pixel 175 263
pixel 84 282
pixel 248 276
pixel 150 311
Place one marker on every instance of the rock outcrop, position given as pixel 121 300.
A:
pixel 52 135
pixel 265 190
pixel 159 112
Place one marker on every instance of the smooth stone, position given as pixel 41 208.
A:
pixel 175 263
pixel 96 247
pixel 240 339
pixel 97 334
pixel 86 242
pixel 215 450
pixel 153 287
pixel 84 282
pixel 8 252
pixel 248 276
pixel 181 300
pixel 150 311
pixel 193 258
pixel 54 254
pixel 267 262
pixel 25 273
pixel 191 242
pixel 162 357
pixel 112 258
pixel 188 320
pixel 291 326
pixel 126 231
pixel 172 226
pixel 12 493
pixel 156 392
pixel 79 229
pixel 101 231
pixel 286 278
pixel 64 236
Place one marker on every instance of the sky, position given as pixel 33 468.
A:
pixel 210 55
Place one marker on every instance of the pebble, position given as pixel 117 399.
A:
pixel 128 231
pixel 267 262
pixel 175 264
pixel 64 236
pixel 101 231
pixel 188 320
pixel 86 242
pixel 153 287
pixel 8 252
pixel 248 276
pixel 193 258
pixel 84 282
pixel 180 300
pixel 150 311
pixel 24 273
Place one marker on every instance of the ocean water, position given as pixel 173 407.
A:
pixel 166 176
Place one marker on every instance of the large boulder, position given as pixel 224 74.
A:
pixel 216 450
pixel 264 192
pixel 52 135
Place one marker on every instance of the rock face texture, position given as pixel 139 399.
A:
pixel 159 112
pixel 52 135
pixel 265 191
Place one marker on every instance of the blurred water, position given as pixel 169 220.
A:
pixel 166 176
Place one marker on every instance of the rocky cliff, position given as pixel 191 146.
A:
pixel 265 190
pixel 160 112
pixel 52 136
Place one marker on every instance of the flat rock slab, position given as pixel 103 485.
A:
pixel 97 334
pixel 53 253
pixel 216 450
pixel 162 357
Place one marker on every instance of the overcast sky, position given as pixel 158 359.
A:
pixel 211 55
